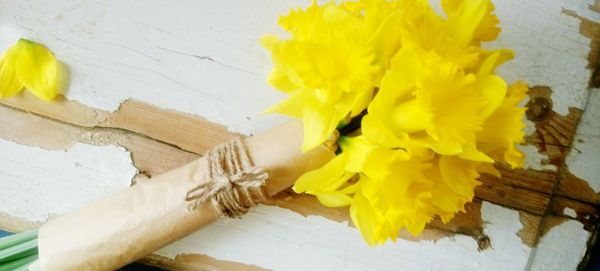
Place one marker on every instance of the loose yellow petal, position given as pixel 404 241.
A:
pixel 37 69
pixel 9 84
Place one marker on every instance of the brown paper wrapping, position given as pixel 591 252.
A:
pixel 133 223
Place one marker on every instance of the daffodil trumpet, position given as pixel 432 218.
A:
pixel 414 98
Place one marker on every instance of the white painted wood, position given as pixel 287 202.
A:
pixel 36 184
pixel 549 51
pixel 279 239
pixel 584 160
pixel 200 57
pixel 203 57
pixel 562 248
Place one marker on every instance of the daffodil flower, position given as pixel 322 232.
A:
pixel 457 37
pixel 437 114
pixel 29 65
pixel 503 129
pixel 326 68
pixel 414 103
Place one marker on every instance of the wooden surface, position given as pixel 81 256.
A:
pixel 153 85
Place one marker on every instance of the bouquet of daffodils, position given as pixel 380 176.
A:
pixel 412 98
pixel 406 98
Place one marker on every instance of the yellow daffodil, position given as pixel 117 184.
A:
pixel 29 65
pixel 454 181
pixel 486 29
pixel 414 102
pixel 382 20
pixel 503 129
pixel 437 114
pixel 456 38
pixel 332 183
pixel 326 68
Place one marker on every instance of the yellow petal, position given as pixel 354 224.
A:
pixel 465 19
pixel 412 116
pixel 386 40
pixel 508 118
pixel 364 218
pixel 356 150
pixel 334 199
pixel 493 89
pixel 489 169
pixel 361 102
pixel 327 177
pixel 268 41
pixel 493 59
pixel 37 69
pixel 379 134
pixel 460 175
pixel 471 153
pixel 9 84
pixel 319 124
pixel 295 104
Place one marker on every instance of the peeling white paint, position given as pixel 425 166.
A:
pixel 279 239
pixel 570 212
pixel 36 184
pixel 206 60
pixel 562 248
pixel 534 159
pixel 584 158
pixel 549 48
pixel 200 57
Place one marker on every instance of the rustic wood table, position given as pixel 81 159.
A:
pixel 154 84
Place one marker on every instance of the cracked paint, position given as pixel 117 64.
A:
pixel 583 159
pixel 55 182
pixel 555 252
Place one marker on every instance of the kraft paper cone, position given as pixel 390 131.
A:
pixel 135 222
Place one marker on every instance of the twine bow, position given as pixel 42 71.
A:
pixel 234 185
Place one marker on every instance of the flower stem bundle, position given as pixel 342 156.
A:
pixel 18 251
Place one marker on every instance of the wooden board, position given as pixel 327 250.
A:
pixel 155 85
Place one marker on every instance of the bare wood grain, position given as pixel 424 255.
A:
pixel 197 262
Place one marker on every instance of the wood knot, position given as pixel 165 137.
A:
pixel 540 104
pixel 483 243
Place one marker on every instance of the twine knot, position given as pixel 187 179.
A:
pixel 234 185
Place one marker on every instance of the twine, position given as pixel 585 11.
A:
pixel 234 185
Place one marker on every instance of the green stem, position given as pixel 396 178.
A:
pixel 18 251
pixel 353 125
pixel 17 238
pixel 19 264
